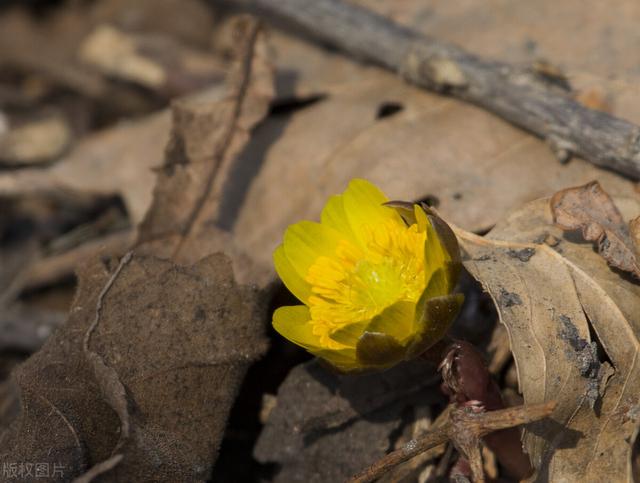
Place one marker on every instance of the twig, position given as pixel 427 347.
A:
pixel 464 428
pixel 525 97
pixel 433 438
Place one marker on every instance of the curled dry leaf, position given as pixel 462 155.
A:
pixel 589 208
pixel 574 327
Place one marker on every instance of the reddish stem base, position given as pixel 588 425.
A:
pixel 466 379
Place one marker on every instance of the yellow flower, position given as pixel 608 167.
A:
pixel 375 278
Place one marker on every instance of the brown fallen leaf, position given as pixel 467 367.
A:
pixel 49 46
pixel 206 139
pixel 463 157
pixel 589 208
pixel 138 385
pixel 574 328
pixel 177 339
pixel 37 142
pixel 326 427
pixel 157 62
pixel 117 160
pixel 634 230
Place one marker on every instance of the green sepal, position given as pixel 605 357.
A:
pixel 445 234
pixel 443 280
pixel 433 318
pixel 404 209
pixel 379 350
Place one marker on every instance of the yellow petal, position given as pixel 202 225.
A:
pixel 343 359
pixel 397 320
pixel 292 322
pixel 335 216
pixel 442 257
pixel 289 276
pixel 435 255
pixel 304 242
pixel 421 218
pixel 363 204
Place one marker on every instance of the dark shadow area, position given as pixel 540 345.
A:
pixel 388 109
pixel 430 200
pixel 478 315
pixel 235 462
pixel 563 438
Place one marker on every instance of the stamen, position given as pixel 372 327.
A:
pixel 359 282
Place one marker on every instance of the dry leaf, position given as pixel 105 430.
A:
pixel 116 160
pixel 177 340
pixel 634 230
pixel 327 427
pixel 304 70
pixel 589 208
pixel 38 142
pixel 463 157
pixel 50 47
pixel 573 326
pixel 158 62
pixel 205 141
pixel 137 386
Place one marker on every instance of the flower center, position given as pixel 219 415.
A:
pixel 362 279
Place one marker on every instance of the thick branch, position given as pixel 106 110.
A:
pixel 524 97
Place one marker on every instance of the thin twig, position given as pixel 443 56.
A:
pixel 510 417
pixel 464 428
pixel 526 97
pixel 433 438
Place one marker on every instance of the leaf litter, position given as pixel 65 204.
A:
pixel 590 209
pixel 574 338
pixel 588 340
pixel 105 396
